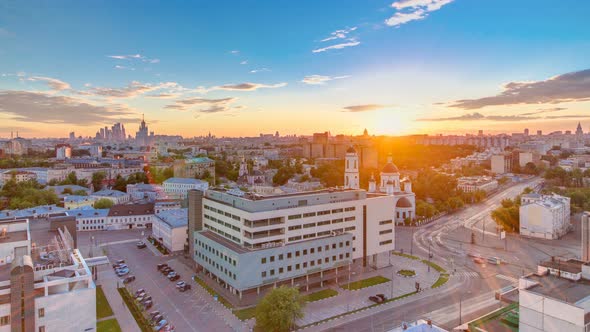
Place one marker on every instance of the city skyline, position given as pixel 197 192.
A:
pixel 393 67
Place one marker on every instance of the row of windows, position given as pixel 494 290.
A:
pixel 320 234
pixel 222 233
pixel 216 265
pixel 320 213
pixel 216 252
pixel 387 231
pixel 89 228
pixel 89 222
pixel 303 265
pixel 227 214
pixel 321 223
pixel 304 252
pixel 385 222
pixel 222 223
pixel 382 243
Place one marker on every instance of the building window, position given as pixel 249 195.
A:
pixel 263 274
pixel 289 268
pixel 387 231
pixel 41 312
pixel 297 266
pixel 4 320
pixel 289 255
pixel 385 222
pixel 280 270
pixel 263 260
pixel 304 251
pixel 312 250
pixel 41 328
pixel 272 272
pixel 382 243
pixel 272 258
pixel 281 257
pixel 297 253
pixel 304 265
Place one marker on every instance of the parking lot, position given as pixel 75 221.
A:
pixel 193 310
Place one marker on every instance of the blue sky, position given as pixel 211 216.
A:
pixel 240 67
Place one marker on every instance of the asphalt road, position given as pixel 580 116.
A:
pixel 448 240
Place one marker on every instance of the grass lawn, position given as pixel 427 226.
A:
pixel 442 279
pixel 406 255
pixel 406 273
pixel 142 322
pixel 210 290
pixel 434 266
pixel 109 325
pixel 323 294
pixel 244 314
pixel 103 309
pixel 365 283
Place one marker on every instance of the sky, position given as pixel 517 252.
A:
pixel 240 68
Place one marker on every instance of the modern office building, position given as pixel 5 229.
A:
pixel 249 242
pixel 544 216
pixel 585 236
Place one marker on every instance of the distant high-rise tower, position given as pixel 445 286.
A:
pixel 526 131
pixel 586 236
pixel 141 137
pixel 351 171
pixel 539 133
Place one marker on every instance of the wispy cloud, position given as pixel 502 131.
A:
pixel 350 43
pixel 363 108
pixel 570 87
pixel 137 57
pixel 545 110
pixel 134 89
pixel 412 10
pixel 5 33
pixel 234 52
pixel 204 105
pixel 241 87
pixel 124 67
pixel 41 107
pixel 52 83
pixel 339 34
pixel 245 62
pixel 259 70
pixel 321 79
pixel 476 116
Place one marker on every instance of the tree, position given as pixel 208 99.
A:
pixel 97 179
pixel 279 309
pixel 425 209
pixel 283 175
pixel 103 203
pixel 67 191
pixel 120 184
pixel 80 192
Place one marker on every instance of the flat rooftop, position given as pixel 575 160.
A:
pixel 251 202
pixel 573 292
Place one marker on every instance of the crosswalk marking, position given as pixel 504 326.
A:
pixel 501 276
pixel 467 274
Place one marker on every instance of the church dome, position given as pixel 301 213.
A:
pixel 403 203
pixel 350 150
pixel 389 168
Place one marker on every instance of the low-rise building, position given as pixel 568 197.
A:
pixel 179 187
pixel 194 167
pixel 41 284
pixel 130 216
pixel 117 197
pixel 18 176
pixel 544 216
pixel 90 219
pixel 170 228
pixel 551 301
pixel 501 163
pixel 73 202
pixel 470 184
pixel 150 192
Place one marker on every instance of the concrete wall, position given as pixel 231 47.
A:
pixel 68 312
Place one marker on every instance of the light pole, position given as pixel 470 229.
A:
pixel 412 242
pixel 461 306
pixel 392 269
pixel 429 254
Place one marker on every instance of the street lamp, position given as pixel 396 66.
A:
pixel 461 306
pixel 392 270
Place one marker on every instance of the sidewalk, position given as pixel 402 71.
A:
pixel 108 281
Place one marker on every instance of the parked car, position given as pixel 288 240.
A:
pixel 161 325
pixel 129 279
pixel 180 284
pixel 174 277
pixel 167 270
pixel 382 297
pixel 140 295
pixel 375 299
pixel 161 266
pixel 122 272
pixel 141 245
pixel 495 260
pixel 185 288
pixel 146 298
pixel 120 261
pixel 147 305
pixel 157 318
pixel 154 313
pixel 139 291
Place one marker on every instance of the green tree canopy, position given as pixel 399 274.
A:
pixel 279 310
pixel 103 203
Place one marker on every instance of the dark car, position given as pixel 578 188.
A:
pixel 139 291
pixel 140 245
pixel 382 297
pixel 129 279
pixel 166 270
pixel 174 277
pixel 157 318
pixel 375 299
pixel 147 305
pixel 161 266
pixel 154 313
pixel 184 288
